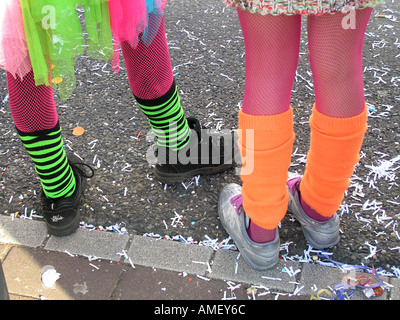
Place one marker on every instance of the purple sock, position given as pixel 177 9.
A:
pixel 295 184
pixel 311 212
pixel 260 235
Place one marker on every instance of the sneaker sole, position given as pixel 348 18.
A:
pixel 74 224
pixel 318 245
pixel 309 238
pixel 170 178
pixel 65 230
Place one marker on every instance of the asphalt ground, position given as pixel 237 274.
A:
pixel 207 53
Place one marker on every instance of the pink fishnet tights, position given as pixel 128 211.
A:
pixel 272 49
pixel 32 107
pixel 149 71
pixel 149 66
pixel 272 45
pixel 336 62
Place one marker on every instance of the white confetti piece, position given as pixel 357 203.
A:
pixel 49 276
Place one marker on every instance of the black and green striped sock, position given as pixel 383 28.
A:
pixel 167 119
pixel 51 164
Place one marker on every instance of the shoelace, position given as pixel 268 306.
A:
pixel 83 172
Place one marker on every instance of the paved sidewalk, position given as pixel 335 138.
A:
pixel 100 265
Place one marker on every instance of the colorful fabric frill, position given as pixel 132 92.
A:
pixel 55 38
pixel 47 36
pixel 303 7
pixel 129 19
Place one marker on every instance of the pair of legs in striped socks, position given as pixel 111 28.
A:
pixel 338 124
pixel 35 116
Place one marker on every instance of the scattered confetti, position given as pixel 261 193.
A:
pixel 78 131
pixel 57 80
pixel 49 276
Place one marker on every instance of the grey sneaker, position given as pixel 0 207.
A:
pixel 318 234
pixel 235 221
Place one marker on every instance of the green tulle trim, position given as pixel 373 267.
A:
pixel 55 38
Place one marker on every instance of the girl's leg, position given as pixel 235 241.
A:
pixel 35 117
pixel 339 119
pixel 32 107
pixel 152 82
pixel 179 139
pixel 335 56
pixel 272 49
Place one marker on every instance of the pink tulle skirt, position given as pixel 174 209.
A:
pixel 14 54
pixel 128 19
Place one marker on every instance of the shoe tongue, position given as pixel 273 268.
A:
pixel 293 184
pixel 246 221
pixel 237 202
pixel 194 124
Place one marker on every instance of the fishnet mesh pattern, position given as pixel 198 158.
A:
pixel 149 66
pixel 335 54
pixel 272 45
pixel 32 107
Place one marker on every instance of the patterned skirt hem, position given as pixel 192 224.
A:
pixel 302 7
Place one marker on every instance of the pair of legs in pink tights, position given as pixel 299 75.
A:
pixel 272 45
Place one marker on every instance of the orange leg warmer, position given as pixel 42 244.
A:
pixel 334 151
pixel 266 144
